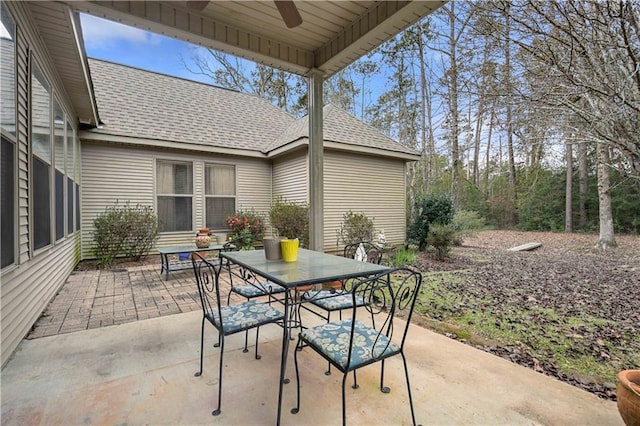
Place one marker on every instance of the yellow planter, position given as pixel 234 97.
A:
pixel 289 250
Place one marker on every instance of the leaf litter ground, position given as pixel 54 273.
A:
pixel 566 309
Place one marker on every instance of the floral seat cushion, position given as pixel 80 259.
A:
pixel 332 339
pixel 244 316
pixel 330 300
pixel 256 290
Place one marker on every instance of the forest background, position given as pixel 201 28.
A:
pixel 526 112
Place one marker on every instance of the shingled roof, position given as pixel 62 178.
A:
pixel 135 104
pixel 341 127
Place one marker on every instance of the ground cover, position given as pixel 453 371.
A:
pixel 566 310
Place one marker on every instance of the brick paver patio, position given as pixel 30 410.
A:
pixel 92 299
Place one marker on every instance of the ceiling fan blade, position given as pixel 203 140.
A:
pixel 289 13
pixel 197 5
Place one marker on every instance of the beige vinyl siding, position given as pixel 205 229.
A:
pixel 113 172
pixel 360 183
pixel 291 177
pixel 254 186
pixel 28 287
pixel 23 147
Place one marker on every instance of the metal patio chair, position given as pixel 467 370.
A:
pixel 249 285
pixel 336 296
pixel 386 295
pixel 229 319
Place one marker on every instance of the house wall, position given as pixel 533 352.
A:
pixel 122 173
pixel 291 177
pixel 375 186
pixel 356 182
pixel 27 286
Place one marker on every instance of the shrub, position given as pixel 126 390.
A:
pixel 403 256
pixel 355 227
pixel 427 210
pixel 291 220
pixel 466 224
pixel 248 225
pixel 441 238
pixel 124 231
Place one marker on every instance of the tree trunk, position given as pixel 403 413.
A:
pixel 453 108
pixel 568 206
pixel 583 175
pixel 426 170
pixel 606 238
pixel 509 118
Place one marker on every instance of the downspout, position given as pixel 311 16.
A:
pixel 316 162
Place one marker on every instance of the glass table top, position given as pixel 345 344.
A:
pixel 187 248
pixel 312 267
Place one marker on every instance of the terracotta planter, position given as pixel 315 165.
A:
pixel 628 393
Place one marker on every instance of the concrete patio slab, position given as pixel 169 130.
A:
pixel 142 373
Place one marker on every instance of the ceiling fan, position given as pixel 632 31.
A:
pixel 287 8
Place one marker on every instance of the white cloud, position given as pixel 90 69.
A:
pixel 100 33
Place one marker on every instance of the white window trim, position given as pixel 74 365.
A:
pixel 193 191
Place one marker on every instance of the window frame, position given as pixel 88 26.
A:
pixel 70 169
pixel 56 168
pixel 12 138
pixel 33 63
pixel 157 194
pixel 207 196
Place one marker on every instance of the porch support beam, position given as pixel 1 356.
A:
pixel 316 162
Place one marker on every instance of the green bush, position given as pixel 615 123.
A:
pixel 248 225
pixel 441 238
pixel 355 227
pixel 427 210
pixel 290 220
pixel 122 230
pixel 466 224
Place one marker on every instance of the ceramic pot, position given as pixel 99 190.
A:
pixel 272 249
pixel 203 240
pixel 628 393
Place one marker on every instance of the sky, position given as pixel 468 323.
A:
pixel 111 41
pixel 131 46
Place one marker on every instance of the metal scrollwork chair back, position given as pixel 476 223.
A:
pixel 374 332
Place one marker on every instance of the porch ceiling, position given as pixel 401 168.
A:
pixel 332 35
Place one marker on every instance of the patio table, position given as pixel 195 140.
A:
pixel 312 267
pixel 167 265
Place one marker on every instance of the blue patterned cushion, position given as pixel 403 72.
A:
pixel 256 290
pixel 244 316
pixel 332 339
pixel 331 300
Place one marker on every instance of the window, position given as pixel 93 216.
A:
pixel 41 158
pixel 59 161
pixel 174 188
pixel 220 194
pixel 70 173
pixel 7 200
pixel 8 151
pixel 76 150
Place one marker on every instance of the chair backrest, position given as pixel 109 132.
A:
pixel 364 251
pixel 386 296
pixel 208 281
